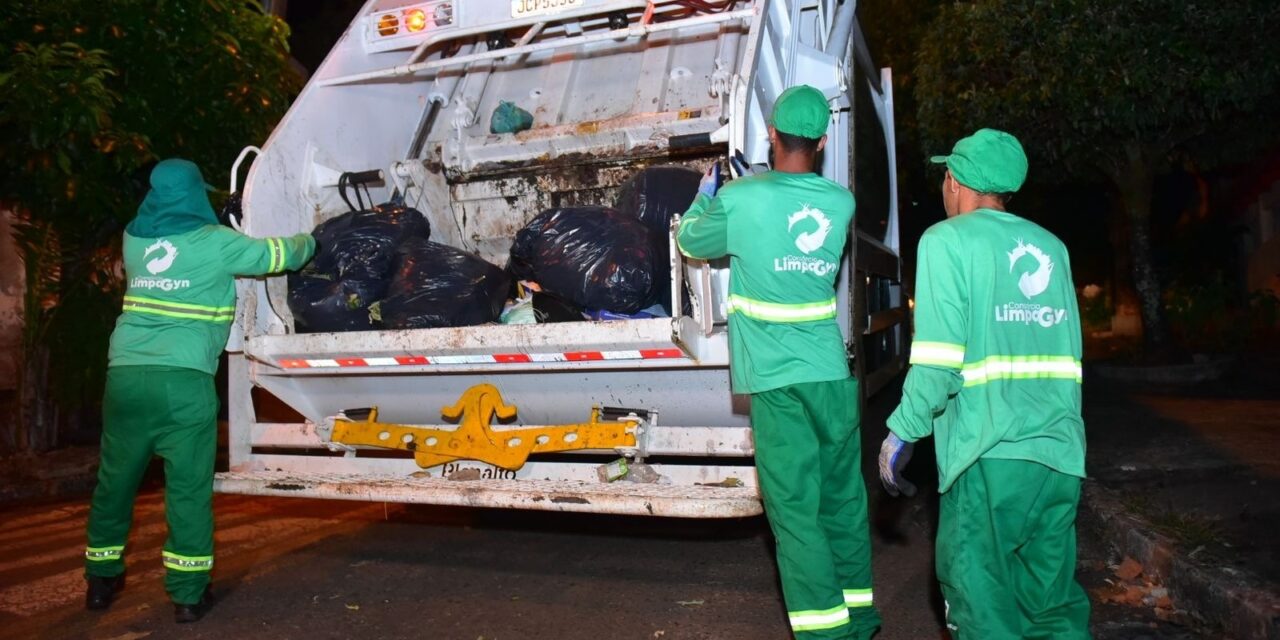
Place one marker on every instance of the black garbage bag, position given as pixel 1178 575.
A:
pixel 362 244
pixel 594 257
pixel 548 308
pixel 435 285
pixel 232 211
pixel 654 196
pixel 321 303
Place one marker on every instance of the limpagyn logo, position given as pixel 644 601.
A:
pixel 807 242
pixel 159 264
pixel 1031 284
pixel 810 241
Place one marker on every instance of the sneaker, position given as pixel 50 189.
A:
pixel 101 591
pixel 185 613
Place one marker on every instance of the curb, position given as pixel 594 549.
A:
pixel 1243 605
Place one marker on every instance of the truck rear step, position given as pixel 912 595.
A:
pixel 623 498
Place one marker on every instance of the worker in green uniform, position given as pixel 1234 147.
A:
pixel 180 265
pixel 785 233
pixel 995 378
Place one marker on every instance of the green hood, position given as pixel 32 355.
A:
pixel 176 202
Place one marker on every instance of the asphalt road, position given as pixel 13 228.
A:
pixel 297 568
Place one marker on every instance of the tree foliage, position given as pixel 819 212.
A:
pixel 1116 89
pixel 89 93
pixel 1079 80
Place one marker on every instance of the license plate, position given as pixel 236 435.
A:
pixel 526 8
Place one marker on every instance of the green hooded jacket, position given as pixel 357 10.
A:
pixel 180 267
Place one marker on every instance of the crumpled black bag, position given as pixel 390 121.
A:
pixel 435 285
pixel 594 257
pixel 321 303
pixel 363 243
pixel 654 195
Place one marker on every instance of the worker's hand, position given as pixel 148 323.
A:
pixel 894 456
pixel 710 181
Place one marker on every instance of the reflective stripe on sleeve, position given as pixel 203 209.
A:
pixel 276 246
pixel 139 304
pixel 779 312
pixel 857 598
pixel 103 554
pixel 1022 368
pixel 187 563
pixel 819 620
pixel 942 354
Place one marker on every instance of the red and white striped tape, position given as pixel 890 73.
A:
pixel 495 358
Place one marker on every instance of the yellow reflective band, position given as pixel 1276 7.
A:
pixel 779 312
pixel 1022 368
pixel 818 620
pixel 103 554
pixel 187 563
pixel 942 354
pixel 179 305
pixel 857 598
pixel 276 246
pixel 178 309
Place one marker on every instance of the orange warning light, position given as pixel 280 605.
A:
pixel 415 20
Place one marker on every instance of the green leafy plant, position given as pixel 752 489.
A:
pixel 89 93
pixel 1189 529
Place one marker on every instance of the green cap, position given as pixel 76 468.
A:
pixel 801 111
pixel 988 161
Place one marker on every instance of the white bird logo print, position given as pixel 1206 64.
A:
pixel 161 263
pixel 810 241
pixel 1032 284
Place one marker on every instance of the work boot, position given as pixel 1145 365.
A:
pixel 184 613
pixel 101 591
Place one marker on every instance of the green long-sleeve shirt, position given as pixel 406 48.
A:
pixel 785 234
pixel 995 359
pixel 181 297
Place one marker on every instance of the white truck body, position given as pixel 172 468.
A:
pixel 609 83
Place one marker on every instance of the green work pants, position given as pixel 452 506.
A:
pixel 1007 554
pixel 171 413
pixel 808 461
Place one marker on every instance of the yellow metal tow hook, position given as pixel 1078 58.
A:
pixel 475 440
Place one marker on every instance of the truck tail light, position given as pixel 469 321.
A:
pixel 415 20
pixel 388 24
pixel 443 15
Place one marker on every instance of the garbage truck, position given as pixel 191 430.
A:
pixel 632 416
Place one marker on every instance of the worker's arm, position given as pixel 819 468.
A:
pixel 246 256
pixel 941 327
pixel 704 229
